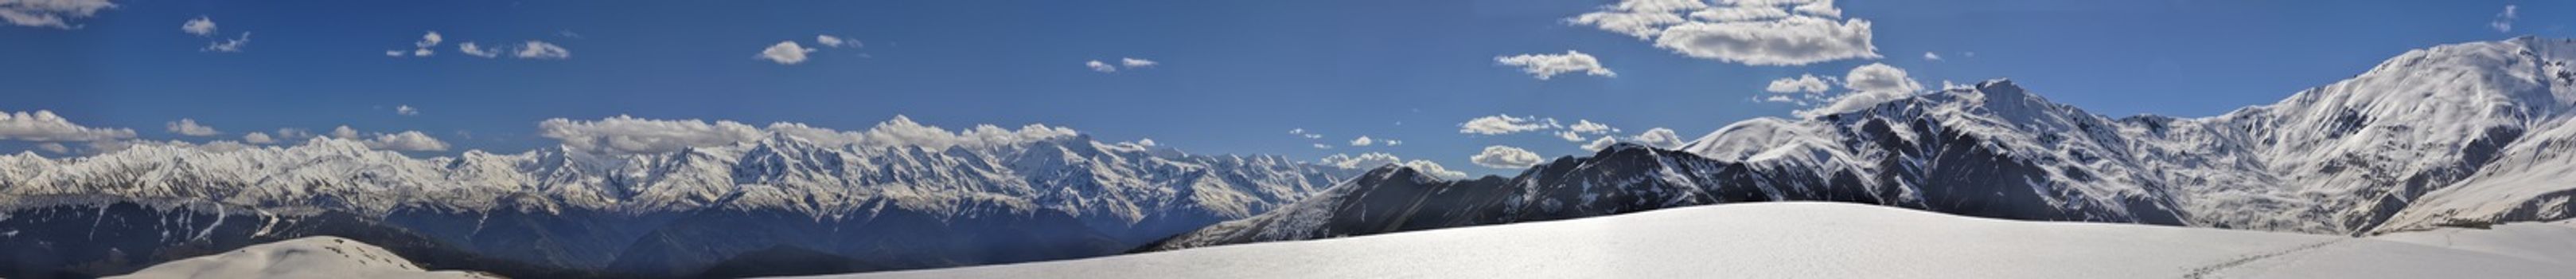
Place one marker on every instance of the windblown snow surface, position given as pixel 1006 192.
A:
pixel 312 257
pixel 1837 240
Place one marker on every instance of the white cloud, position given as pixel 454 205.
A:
pixel 1748 32
pixel 534 49
pixel 1504 124
pixel 258 138
pixel 54 147
pixel 1570 136
pixel 1588 127
pixel 1362 141
pixel 1657 137
pixel 1870 85
pixel 1792 41
pixel 1434 169
pixel 1097 66
pixel 1133 63
pixel 469 48
pixel 1505 157
pixel 43 125
pixel 1880 77
pixel 50 13
pixel 1375 159
pixel 429 40
pixel 626 134
pixel 394 53
pixel 1598 144
pixel 785 53
pixel 1807 83
pixel 1394 142
pixel 1323 146
pixel 405 141
pixel 344 132
pixel 293 134
pixel 1544 66
pixel 1147 142
pixel 190 127
pixel 830 41
pixel 2504 21
pixel 202 26
pixel 228 45
pixel 1741 13
pixel 1363 161
pixel 1931 56
pixel 406 110
pixel 1660 137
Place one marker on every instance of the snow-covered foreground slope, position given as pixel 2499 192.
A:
pixel 1835 240
pixel 311 257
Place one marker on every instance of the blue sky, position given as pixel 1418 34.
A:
pixel 1231 76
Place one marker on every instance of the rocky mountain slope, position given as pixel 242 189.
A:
pixel 2468 133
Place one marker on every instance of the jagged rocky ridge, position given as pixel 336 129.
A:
pixel 572 213
pixel 2465 133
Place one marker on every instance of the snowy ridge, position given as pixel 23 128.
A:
pixel 2456 134
pixel 1836 240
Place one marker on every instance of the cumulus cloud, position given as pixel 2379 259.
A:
pixel 785 53
pixel 1504 124
pixel 1759 33
pixel 1434 169
pixel 1544 66
pixel 1363 161
pixel 405 141
pixel 830 41
pixel 344 132
pixel 190 127
pixel 1588 127
pixel 469 48
pixel 293 134
pixel 234 44
pixel 1505 157
pixel 627 134
pixel 1375 159
pixel 534 49
pixel 2504 21
pixel 1323 146
pixel 1929 56
pixel 54 147
pixel 1880 77
pixel 1869 85
pixel 1132 63
pixel 1097 66
pixel 1806 83
pixel 258 138
pixel 406 110
pixel 1394 142
pixel 1570 136
pixel 1362 141
pixel 43 125
pixel 50 13
pixel 1657 137
pixel 202 26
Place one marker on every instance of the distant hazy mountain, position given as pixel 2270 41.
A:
pixel 572 213
pixel 2458 134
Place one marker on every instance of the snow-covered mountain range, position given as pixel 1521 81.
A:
pixel 581 212
pixel 319 257
pixel 2460 134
